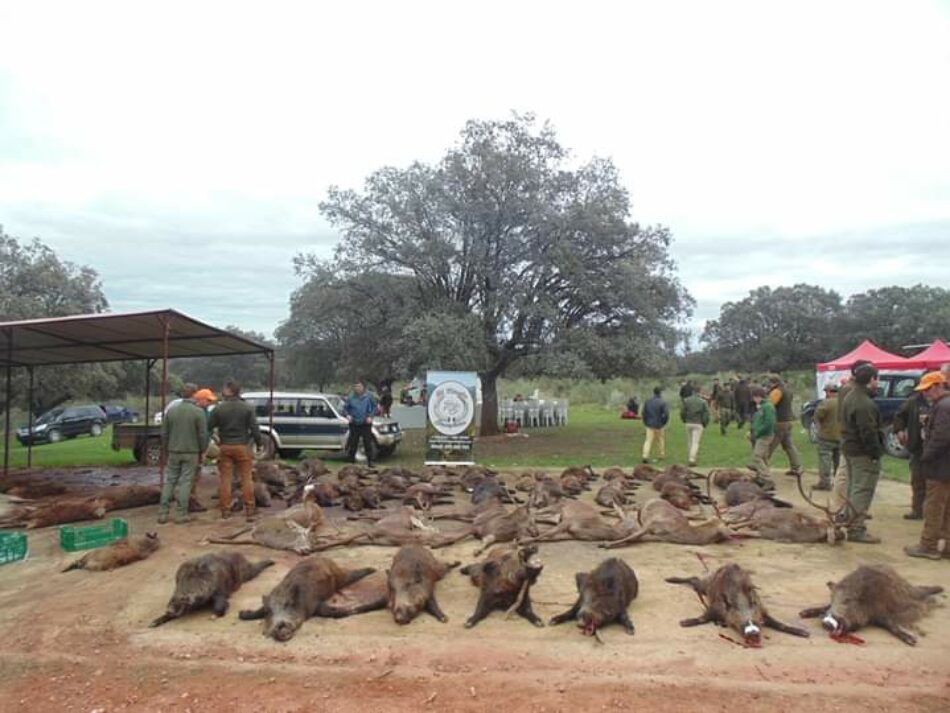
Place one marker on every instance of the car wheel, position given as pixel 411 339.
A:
pixel 268 449
pixel 95 429
pixel 55 435
pixel 892 445
pixel 385 451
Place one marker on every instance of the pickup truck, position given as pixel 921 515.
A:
pixel 893 388
pixel 144 439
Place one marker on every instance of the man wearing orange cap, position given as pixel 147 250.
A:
pixel 935 469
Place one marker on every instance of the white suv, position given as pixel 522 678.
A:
pixel 313 421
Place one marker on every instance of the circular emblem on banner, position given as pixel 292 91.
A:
pixel 451 408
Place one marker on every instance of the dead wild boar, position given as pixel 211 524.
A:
pixel 299 594
pixel 874 595
pixel 731 600
pixel 504 579
pixel 411 582
pixel 209 579
pixel 603 596
pixel 118 554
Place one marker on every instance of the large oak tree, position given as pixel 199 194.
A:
pixel 507 233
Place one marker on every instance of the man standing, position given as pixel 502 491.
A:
pixel 761 433
pixel 829 437
pixel 727 406
pixel 908 425
pixel 715 395
pixel 781 397
pixel 359 409
pixel 935 468
pixel 839 486
pixel 656 414
pixel 236 424
pixel 861 444
pixel 695 414
pixel 743 401
pixel 203 399
pixel 185 438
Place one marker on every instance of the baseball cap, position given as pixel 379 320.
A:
pixel 205 394
pixel 929 379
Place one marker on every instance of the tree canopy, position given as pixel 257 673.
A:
pixel 35 283
pixel 505 234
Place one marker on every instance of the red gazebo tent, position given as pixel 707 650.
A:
pixel 934 356
pixel 874 354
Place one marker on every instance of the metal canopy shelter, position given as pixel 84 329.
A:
pixel 149 336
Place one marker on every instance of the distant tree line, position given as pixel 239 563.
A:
pixel 797 327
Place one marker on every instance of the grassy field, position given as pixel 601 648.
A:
pixel 595 435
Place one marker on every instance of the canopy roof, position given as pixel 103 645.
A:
pixel 116 337
pixel 934 356
pixel 874 354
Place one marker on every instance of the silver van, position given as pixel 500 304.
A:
pixel 313 421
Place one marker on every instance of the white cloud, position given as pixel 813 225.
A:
pixel 183 132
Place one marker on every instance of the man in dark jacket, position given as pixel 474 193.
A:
pixel 656 414
pixel 861 444
pixel 359 409
pixel 935 468
pixel 236 424
pixel 908 425
pixel 743 401
pixel 839 486
pixel 727 406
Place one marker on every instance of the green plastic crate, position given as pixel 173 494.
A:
pixel 73 539
pixel 12 546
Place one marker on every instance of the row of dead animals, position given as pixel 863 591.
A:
pixel 303 529
pixel 317 586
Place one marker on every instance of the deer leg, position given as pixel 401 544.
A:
pixel 632 537
pixel 774 623
pixel 487 542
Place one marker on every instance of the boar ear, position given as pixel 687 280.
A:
pixel 831 585
pixel 581 580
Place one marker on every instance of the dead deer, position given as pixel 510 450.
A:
pixel 402 527
pixel 581 521
pixel 660 521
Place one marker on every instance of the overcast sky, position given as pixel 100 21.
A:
pixel 181 148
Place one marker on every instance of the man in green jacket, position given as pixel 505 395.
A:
pixel 861 444
pixel 185 438
pixel 829 437
pixel 236 423
pixel 761 435
pixel 695 415
pixel 839 486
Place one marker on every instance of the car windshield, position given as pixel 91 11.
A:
pixel 49 416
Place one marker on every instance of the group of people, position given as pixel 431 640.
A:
pixel 849 442
pixel 193 431
pixel 771 427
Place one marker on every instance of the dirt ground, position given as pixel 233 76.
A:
pixel 80 641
